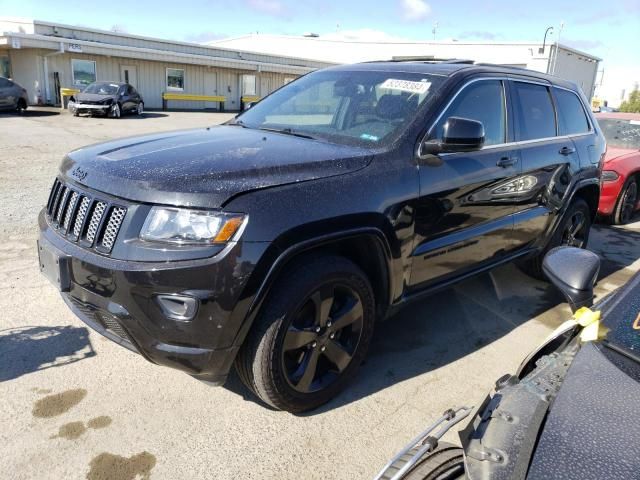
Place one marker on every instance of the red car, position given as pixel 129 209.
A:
pixel 619 197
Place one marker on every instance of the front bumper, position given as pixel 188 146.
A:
pixel 118 299
pixel 85 107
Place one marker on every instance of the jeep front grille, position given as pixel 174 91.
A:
pixel 80 217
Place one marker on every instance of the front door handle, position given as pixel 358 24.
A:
pixel 567 151
pixel 505 162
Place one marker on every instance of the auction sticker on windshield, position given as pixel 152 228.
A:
pixel 406 86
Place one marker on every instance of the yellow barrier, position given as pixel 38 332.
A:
pixel 250 98
pixel 192 98
pixel 67 92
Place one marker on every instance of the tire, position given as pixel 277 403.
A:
pixel 578 208
pixel 320 313
pixel 140 109
pixel 21 105
pixel 115 111
pixel 446 462
pixel 626 203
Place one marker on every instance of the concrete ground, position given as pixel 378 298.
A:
pixel 75 405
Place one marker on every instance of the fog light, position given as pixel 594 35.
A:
pixel 178 307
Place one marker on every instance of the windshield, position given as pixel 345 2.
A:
pixel 621 133
pixel 365 108
pixel 102 88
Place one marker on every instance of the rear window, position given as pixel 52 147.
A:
pixel 571 117
pixel 621 133
pixel 535 117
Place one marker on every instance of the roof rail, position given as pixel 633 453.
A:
pixel 431 59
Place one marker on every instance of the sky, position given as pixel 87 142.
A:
pixel 609 29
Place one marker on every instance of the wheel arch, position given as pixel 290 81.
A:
pixel 359 245
pixel 590 193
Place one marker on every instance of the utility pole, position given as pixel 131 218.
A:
pixel 434 29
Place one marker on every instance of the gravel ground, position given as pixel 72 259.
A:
pixel 78 406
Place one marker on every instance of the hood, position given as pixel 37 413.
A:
pixel 206 167
pixel 91 97
pixel 614 153
pixel 592 430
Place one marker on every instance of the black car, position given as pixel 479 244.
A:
pixel 569 412
pixel 277 240
pixel 112 99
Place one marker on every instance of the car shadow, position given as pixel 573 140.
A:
pixel 29 112
pixel 447 326
pixel 147 114
pixel 32 349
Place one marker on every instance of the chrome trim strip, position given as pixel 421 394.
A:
pixel 87 106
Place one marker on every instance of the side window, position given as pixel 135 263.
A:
pixel 571 116
pixel 482 101
pixel 534 111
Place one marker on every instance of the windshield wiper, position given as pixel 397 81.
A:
pixel 287 131
pixel 236 123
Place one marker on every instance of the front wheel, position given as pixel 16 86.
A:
pixel 310 336
pixel 627 202
pixel 573 230
pixel 140 109
pixel 115 111
pixel 445 462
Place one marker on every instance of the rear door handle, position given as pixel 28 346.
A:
pixel 567 151
pixel 505 162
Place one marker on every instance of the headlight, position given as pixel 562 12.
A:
pixel 180 225
pixel 609 176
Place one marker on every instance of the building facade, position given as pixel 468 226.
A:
pixel 44 57
pixel 555 59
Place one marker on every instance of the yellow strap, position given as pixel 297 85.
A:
pixel 589 320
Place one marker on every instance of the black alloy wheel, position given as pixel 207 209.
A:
pixel 576 230
pixel 627 203
pixel 322 337
pixel 310 335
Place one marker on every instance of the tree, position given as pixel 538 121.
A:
pixel 633 104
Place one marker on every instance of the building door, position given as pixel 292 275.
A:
pixel 229 84
pixel 129 74
pixel 211 88
pixel 265 86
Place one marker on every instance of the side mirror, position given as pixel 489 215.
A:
pixel 459 135
pixel 574 272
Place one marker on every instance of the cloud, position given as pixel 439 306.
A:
pixel 414 10
pixel 274 8
pixel 582 44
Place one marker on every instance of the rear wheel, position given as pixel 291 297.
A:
pixel 573 231
pixel 445 463
pixel 627 202
pixel 310 336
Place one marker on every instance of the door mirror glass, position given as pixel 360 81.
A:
pixel 574 272
pixel 458 135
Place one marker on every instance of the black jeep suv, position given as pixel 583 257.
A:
pixel 275 241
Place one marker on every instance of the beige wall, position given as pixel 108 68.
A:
pixel 27 68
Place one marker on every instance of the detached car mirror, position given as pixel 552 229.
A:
pixel 458 135
pixel 574 272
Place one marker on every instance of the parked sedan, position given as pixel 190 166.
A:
pixel 619 198
pixel 112 99
pixel 569 412
pixel 12 95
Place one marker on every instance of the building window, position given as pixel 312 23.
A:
pixel 175 79
pixel 83 72
pixel 248 84
pixel 5 71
